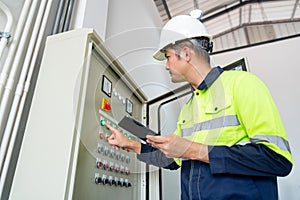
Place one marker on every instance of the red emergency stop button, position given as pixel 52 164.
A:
pixel 105 105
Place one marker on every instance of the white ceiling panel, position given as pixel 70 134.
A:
pixel 222 17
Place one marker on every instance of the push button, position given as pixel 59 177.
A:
pixel 97 179
pixel 100 148
pixel 112 153
pixel 104 179
pixel 102 122
pixel 111 181
pixel 101 136
pixel 106 151
pixel 117 168
pixel 116 181
pixel 127 159
pixel 111 166
pixel 105 165
pixel 121 182
pixel 127 171
pixel 105 105
pixel 126 183
pixel 122 169
pixel 99 164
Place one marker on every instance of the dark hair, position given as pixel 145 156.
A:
pixel 201 46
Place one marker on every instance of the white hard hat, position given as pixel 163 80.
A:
pixel 179 28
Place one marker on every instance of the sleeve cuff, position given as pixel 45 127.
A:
pixel 216 160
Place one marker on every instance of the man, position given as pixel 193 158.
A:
pixel 229 142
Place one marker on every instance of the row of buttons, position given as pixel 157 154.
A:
pixel 112 167
pixel 102 123
pixel 104 179
pixel 107 151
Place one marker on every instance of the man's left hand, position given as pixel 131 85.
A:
pixel 172 145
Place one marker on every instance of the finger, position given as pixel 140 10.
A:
pixel 109 126
pixel 149 141
pixel 111 137
pixel 153 144
pixel 117 147
pixel 156 139
pixel 112 142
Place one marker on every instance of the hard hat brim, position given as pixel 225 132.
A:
pixel 159 55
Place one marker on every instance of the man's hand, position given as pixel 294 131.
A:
pixel 174 146
pixel 118 140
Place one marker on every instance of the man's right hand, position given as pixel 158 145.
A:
pixel 118 140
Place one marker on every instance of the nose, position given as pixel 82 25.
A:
pixel 167 66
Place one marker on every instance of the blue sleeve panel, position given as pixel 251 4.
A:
pixel 153 156
pixel 249 159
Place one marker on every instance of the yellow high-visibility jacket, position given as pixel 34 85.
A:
pixel 236 109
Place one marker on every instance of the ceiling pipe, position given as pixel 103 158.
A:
pixel 69 12
pixel 229 9
pixel 58 17
pixel 7 29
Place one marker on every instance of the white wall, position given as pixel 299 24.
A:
pixel 277 64
pixel 130 30
pixel 91 14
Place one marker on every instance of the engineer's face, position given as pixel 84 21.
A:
pixel 175 65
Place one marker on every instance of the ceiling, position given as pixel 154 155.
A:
pixel 239 23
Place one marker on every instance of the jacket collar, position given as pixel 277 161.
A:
pixel 210 78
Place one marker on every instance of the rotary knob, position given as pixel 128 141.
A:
pixel 98 180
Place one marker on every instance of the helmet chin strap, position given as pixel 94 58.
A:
pixel 210 47
pixel 205 44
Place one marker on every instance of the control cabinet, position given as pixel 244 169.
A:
pixel 65 154
pixel 102 170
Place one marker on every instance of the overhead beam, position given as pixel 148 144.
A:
pixel 228 9
pixel 245 25
pixel 294 9
pixel 166 9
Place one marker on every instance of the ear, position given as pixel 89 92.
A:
pixel 186 54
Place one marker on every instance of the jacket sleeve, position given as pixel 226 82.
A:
pixel 153 156
pixel 249 160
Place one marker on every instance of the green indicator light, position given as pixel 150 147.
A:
pixel 125 134
pixel 102 122
pixel 129 137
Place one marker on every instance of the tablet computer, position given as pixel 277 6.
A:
pixel 136 128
